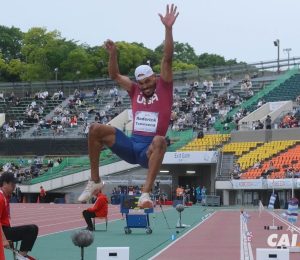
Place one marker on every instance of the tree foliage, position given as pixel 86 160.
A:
pixel 41 55
pixel 10 42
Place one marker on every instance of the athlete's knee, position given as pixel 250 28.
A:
pixel 96 131
pixel 159 143
pixel 94 128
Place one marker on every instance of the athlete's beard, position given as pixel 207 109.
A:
pixel 152 89
pixel 149 95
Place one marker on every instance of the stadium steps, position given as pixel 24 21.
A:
pixel 226 166
pixel 253 101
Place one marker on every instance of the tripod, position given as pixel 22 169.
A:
pixel 180 225
pixel 159 196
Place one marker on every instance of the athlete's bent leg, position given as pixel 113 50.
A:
pixel 155 154
pixel 99 135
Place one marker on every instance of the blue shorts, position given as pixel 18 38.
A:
pixel 132 149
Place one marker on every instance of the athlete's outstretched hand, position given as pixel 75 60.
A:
pixel 110 46
pixel 170 17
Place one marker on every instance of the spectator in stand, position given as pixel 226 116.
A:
pixel 11 97
pixel 258 125
pixel 209 88
pixel 297 173
pixel 73 121
pixel 268 122
pixel 50 163
pixel 257 165
pixel 205 85
pixel 269 171
pixel 236 171
pixel 289 173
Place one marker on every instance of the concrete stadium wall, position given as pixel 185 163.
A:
pixel 264 135
pixel 76 178
pixel 51 146
pixel 274 109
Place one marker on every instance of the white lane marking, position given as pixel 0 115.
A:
pixel 201 222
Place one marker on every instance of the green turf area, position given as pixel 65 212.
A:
pixel 142 246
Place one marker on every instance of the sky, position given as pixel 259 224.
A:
pixel 235 29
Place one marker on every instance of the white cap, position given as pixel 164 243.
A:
pixel 142 72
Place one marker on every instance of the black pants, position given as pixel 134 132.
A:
pixel 88 218
pixel 27 234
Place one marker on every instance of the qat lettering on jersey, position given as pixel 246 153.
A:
pixel 142 100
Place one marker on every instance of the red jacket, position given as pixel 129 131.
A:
pixel 100 206
pixel 4 210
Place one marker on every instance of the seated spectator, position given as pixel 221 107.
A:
pixel 50 163
pixel 60 129
pixel 258 125
pixel 59 160
pixel 226 127
pixel 200 134
pixel 73 121
pixel 289 173
pixel 297 173
pixel 236 176
pixel 99 209
pixel 257 165
pixel 269 171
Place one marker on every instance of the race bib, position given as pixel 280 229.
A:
pixel 145 121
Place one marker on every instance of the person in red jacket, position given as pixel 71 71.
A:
pixel 27 234
pixel 2 256
pixel 99 209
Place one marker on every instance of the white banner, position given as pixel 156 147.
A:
pixel 190 157
pixel 297 183
pixel 280 183
pixel 247 184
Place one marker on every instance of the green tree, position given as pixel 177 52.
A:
pixel 131 55
pixel 10 42
pixel 182 52
pixel 15 69
pixel 206 60
pixel 44 51
pixel 78 65
pixel 178 66
pixel 3 69
pixel 99 57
